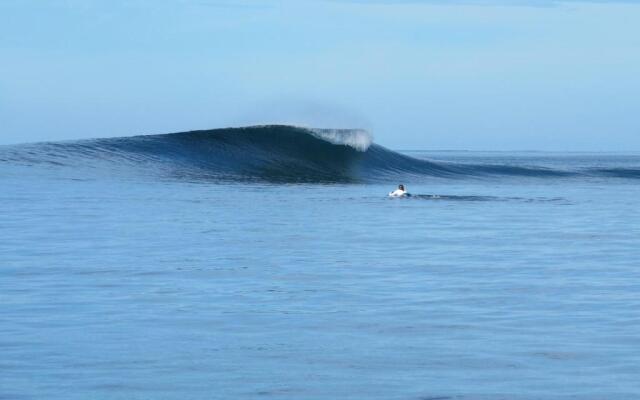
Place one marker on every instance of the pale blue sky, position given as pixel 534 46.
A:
pixel 475 74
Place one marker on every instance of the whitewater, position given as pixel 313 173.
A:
pixel 268 262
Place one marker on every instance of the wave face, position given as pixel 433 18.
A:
pixel 274 153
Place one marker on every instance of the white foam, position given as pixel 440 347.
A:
pixel 359 139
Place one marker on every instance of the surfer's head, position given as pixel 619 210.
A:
pixel 401 187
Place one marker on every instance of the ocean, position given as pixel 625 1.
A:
pixel 269 262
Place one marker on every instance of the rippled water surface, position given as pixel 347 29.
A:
pixel 116 286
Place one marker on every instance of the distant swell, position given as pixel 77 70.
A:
pixel 275 153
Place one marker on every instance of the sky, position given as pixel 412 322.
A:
pixel 418 74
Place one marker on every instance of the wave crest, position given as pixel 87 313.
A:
pixel 359 139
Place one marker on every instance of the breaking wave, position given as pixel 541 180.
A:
pixel 273 153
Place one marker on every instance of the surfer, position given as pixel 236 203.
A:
pixel 399 192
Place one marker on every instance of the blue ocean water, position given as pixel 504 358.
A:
pixel 225 266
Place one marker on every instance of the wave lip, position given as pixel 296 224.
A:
pixel 359 139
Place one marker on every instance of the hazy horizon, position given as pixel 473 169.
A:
pixel 419 75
